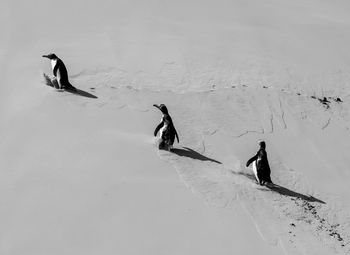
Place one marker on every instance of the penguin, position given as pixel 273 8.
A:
pixel 60 80
pixel 166 128
pixel 261 166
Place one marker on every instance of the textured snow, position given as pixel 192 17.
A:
pixel 82 175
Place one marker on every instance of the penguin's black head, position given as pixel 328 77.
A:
pixel 162 108
pixel 262 144
pixel 50 56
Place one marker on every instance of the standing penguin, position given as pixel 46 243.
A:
pixel 261 166
pixel 60 80
pixel 167 129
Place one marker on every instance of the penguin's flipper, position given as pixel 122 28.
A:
pixel 251 160
pixel 177 137
pixel 158 128
pixel 55 70
pixel 60 85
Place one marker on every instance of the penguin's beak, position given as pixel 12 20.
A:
pixel 45 56
pixel 156 106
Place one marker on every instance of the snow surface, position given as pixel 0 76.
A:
pixel 82 175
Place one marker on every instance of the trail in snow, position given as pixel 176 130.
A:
pixel 219 129
pixel 290 214
pixel 279 212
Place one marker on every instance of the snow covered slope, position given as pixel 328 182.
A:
pixel 81 175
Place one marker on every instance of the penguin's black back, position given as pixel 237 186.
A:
pixel 63 70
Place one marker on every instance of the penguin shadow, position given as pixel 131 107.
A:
pixel 53 83
pixel 285 191
pixel 82 93
pixel 187 152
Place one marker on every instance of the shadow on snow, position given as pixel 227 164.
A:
pixel 284 191
pixel 82 93
pixel 50 82
pixel 187 152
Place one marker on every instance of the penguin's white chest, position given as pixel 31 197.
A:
pixel 162 130
pixel 164 127
pixel 53 63
pixel 255 169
